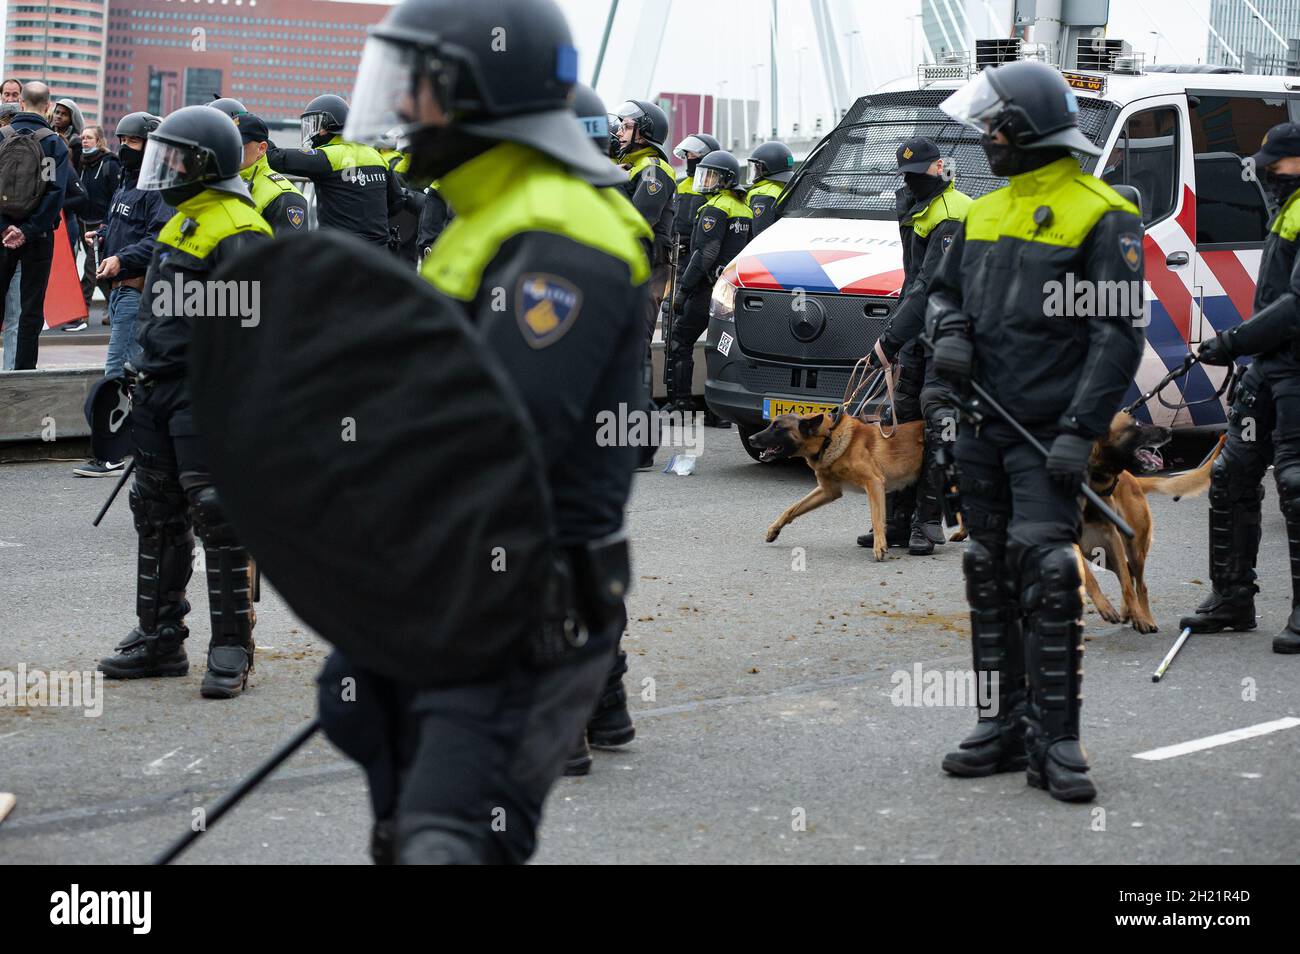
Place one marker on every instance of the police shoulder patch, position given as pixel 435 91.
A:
pixel 1130 249
pixel 653 185
pixel 546 306
pixel 707 222
pixel 758 209
pixel 307 151
pixel 296 215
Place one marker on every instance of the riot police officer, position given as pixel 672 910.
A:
pixel 355 189
pixel 551 271
pixel 930 212
pixel 690 150
pixel 275 197
pixel 1264 421
pixel 722 229
pixel 641 132
pixel 231 107
pixel 193 159
pixel 771 166
pixel 1064 377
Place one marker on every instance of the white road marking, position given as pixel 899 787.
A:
pixel 155 767
pixel 6 543
pixel 1223 738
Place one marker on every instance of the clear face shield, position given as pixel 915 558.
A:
pixel 166 165
pixel 312 125
pixel 627 116
pixel 691 144
pixel 754 170
pixel 977 104
pixel 399 90
pixel 707 180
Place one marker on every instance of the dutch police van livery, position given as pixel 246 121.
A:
pixel 809 296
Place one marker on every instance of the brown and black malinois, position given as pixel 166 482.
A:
pixel 1114 456
pixel 845 453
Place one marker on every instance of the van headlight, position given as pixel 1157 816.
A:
pixel 722 306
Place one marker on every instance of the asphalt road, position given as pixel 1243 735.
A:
pixel 762 693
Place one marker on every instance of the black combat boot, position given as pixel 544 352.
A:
pixel 1288 486
pixel 997 744
pixel 579 760
pixel 611 724
pixel 1234 543
pixel 230 603
pixel 918 541
pixel 1053 603
pixel 164 564
pixel 898 519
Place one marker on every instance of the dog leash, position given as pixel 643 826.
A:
pixel 1188 361
pixel 864 382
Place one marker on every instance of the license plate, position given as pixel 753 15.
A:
pixel 775 407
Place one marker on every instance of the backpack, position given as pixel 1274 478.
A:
pixel 21 161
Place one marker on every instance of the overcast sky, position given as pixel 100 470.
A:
pixel 716 46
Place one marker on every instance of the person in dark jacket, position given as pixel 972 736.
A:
pixel 434 217
pixel 29 240
pixel 101 173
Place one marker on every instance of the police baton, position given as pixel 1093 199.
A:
pixel 236 794
pixel 121 482
pixel 1092 496
pixel 1169 656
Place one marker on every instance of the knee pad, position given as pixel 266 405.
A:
pixel 1231 484
pixel 209 520
pixel 1288 492
pixel 158 505
pixel 1055 584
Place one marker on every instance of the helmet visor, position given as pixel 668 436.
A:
pixel 630 110
pixel 399 90
pixel 755 170
pixel 707 180
pixel 976 104
pixel 692 144
pixel 312 125
pixel 166 165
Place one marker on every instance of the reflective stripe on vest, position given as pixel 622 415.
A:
pixel 1287 221
pixel 731 206
pixel 216 216
pixel 511 189
pixel 343 154
pixel 1076 200
pixel 265 185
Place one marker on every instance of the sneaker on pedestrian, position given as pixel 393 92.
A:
pixel 98 468
pixel 79 325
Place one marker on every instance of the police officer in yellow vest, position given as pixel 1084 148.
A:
pixel 771 166
pixel 551 271
pixel 690 150
pixel 642 129
pixel 275 197
pixel 1267 406
pixel 722 229
pixel 193 159
pixel 355 189
pixel 991 320
pixel 930 212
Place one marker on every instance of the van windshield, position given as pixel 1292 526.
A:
pixel 852 173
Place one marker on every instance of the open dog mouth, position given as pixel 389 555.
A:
pixel 769 453
pixel 1150 459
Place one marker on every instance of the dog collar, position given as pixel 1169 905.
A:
pixel 836 416
pixel 1111 489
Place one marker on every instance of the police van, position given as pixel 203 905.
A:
pixel 810 295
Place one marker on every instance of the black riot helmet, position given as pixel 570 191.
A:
pixel 441 73
pixel 231 107
pixel 717 171
pixel 772 160
pixel 193 149
pixel 651 125
pixel 139 125
pixel 1028 101
pixel 592 118
pixel 324 117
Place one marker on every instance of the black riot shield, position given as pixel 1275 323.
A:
pixel 375 459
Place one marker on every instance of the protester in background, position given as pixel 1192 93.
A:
pixel 9 317
pixel 67 121
pixel 11 91
pixel 101 173
pixel 27 227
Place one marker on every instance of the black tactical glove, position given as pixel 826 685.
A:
pixel 1067 462
pixel 679 302
pixel 1217 350
pixel 953 357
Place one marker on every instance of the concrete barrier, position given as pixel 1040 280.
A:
pixel 45 405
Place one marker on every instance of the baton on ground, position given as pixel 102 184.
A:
pixel 1093 497
pixel 121 482
pixel 236 794
pixel 1169 657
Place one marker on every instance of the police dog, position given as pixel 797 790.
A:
pixel 845 453
pixel 1126 447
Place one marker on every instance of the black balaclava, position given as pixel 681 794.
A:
pixel 178 194
pixel 1009 160
pixel 924 186
pixel 1281 186
pixel 436 151
pixel 130 159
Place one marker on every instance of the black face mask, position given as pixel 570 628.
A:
pixel 130 158
pixel 178 194
pixel 691 164
pixel 1282 186
pixel 1008 160
pixel 437 151
pixel 923 185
